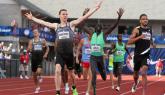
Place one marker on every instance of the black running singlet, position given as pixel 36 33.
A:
pixel 64 38
pixel 37 48
pixel 142 46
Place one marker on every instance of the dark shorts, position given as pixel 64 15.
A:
pixel 139 61
pixel 98 62
pixel 65 59
pixel 117 68
pixel 36 61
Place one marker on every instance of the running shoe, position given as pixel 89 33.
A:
pixel 37 90
pixel 66 90
pixel 26 77
pixel 86 93
pixel 21 77
pixel 133 89
pixel 117 88
pixel 113 87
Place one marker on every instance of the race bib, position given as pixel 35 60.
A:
pixel 88 51
pixel 147 36
pixel 119 52
pixel 63 35
pixel 37 47
pixel 96 48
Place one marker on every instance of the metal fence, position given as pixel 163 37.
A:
pixel 11 67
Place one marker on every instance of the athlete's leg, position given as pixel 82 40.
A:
pixel 89 80
pixel 69 60
pixel 144 78
pixel 101 67
pixel 35 79
pixel 36 82
pixel 58 77
pixel 119 70
pixel 85 70
pixel 137 66
pixel 73 79
pixel 64 73
pixel 93 70
pixel 111 79
pixel 39 73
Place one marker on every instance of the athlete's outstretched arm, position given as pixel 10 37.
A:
pixel 39 21
pixel 82 24
pixel 133 37
pixel 120 13
pixel 86 16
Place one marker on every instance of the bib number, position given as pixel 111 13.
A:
pixel 147 36
pixel 87 51
pixel 119 52
pixel 37 47
pixel 63 35
pixel 96 48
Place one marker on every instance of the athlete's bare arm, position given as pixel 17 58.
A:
pixel 152 43
pixel 133 37
pixel 39 21
pixel 120 13
pixel 126 49
pixel 86 16
pixel 82 24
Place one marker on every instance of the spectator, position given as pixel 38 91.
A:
pixel 159 67
pixel 24 60
pixel 1 55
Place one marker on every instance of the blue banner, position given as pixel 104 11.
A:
pixel 5 30
pixel 156 53
pixel 24 32
pixel 157 39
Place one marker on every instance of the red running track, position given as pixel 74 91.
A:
pixel 16 86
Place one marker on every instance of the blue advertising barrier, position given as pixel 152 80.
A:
pixel 155 54
pixel 158 39
pixel 24 32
